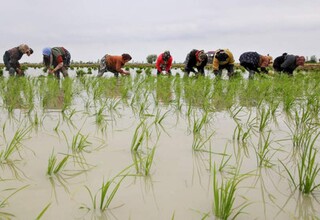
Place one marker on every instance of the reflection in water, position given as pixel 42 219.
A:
pixel 56 95
pixel 17 93
pixel 14 170
pixel 201 166
pixel 305 207
pixel 164 93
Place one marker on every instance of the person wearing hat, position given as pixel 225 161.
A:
pixel 11 59
pixel 196 59
pixel 288 63
pixel 164 63
pixel 223 59
pixel 58 58
pixel 114 64
pixel 254 62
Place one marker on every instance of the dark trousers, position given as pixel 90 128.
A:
pixel 228 67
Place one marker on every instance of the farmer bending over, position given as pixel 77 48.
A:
pixel 288 63
pixel 11 59
pixel 196 59
pixel 114 64
pixel 164 63
pixel 59 58
pixel 223 59
pixel 254 62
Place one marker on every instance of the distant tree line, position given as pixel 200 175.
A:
pixel 313 59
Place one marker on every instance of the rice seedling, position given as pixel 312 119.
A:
pixel 234 112
pixel 149 161
pixel 223 162
pixel 263 151
pixel 302 126
pixel 57 126
pixel 308 169
pixel 159 118
pixel 240 135
pixel 143 163
pixel 264 118
pixel 55 167
pixel 43 212
pixel 198 124
pixel 80 143
pixel 100 116
pixel 140 134
pixel 14 145
pixel 67 116
pixel 199 141
pixel 106 193
pixel 224 195
pixel 80 72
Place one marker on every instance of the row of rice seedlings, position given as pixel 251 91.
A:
pixel 224 90
pixel 221 89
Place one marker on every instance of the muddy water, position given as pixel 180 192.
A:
pixel 180 182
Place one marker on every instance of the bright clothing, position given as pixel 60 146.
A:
pixel 111 63
pixel 163 65
pixel 228 60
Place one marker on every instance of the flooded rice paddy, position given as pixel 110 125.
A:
pixel 146 147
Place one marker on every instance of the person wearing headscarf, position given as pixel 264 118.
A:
pixel 56 60
pixel 164 63
pixel 196 59
pixel 287 63
pixel 11 59
pixel 114 64
pixel 223 59
pixel 254 62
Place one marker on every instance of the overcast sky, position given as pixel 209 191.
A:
pixel 91 28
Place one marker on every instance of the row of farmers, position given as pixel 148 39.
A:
pixel 57 61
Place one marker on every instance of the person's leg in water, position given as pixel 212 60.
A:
pixel 102 66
